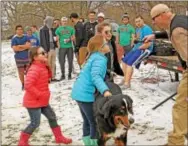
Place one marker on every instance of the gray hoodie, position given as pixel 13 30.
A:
pixel 49 22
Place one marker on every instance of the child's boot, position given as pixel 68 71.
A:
pixel 59 138
pixel 24 138
pixel 86 140
pixel 94 142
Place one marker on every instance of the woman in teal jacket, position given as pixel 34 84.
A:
pixel 91 78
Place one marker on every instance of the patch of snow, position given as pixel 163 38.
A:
pixel 151 127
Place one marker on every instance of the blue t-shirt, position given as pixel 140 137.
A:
pixel 33 40
pixel 20 41
pixel 140 34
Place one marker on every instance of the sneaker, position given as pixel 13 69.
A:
pixel 54 80
pixel 62 78
pixel 69 77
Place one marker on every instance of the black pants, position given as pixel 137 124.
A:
pixel 62 54
pixel 35 114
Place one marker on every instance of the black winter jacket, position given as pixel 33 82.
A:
pixel 45 38
pixel 79 34
pixel 116 65
pixel 89 31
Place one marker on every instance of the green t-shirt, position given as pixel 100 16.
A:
pixel 64 33
pixel 36 34
pixel 125 34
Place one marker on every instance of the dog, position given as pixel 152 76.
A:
pixel 112 116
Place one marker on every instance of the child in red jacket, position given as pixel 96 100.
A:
pixel 36 98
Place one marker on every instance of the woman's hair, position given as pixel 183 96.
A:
pixel 95 43
pixel 101 26
pixel 32 53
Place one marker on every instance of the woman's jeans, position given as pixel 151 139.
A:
pixel 35 115
pixel 89 124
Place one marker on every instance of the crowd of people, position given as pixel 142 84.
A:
pixel 96 49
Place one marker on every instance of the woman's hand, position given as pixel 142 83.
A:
pixel 107 94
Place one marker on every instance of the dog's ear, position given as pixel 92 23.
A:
pixel 114 88
pixel 107 109
pixel 129 103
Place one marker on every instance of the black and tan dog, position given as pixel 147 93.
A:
pixel 113 116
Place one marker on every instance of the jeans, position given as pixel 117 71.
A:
pixel 89 124
pixel 35 114
pixel 62 54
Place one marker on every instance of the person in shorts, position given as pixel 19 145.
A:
pixel 20 45
pixel 134 55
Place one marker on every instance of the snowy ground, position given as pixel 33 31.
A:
pixel 150 128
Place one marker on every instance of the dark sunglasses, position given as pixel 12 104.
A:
pixel 108 32
pixel 42 53
pixel 157 16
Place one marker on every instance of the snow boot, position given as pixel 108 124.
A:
pixel 59 138
pixel 86 140
pixel 93 142
pixel 24 137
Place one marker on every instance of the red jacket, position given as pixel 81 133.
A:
pixel 37 93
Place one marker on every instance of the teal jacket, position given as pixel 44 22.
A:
pixel 91 77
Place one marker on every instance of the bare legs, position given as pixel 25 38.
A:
pixel 128 72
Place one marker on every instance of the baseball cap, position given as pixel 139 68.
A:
pixel 101 15
pixel 159 9
pixel 125 15
pixel 74 15
pixel 64 19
